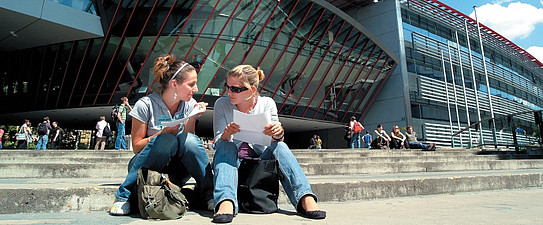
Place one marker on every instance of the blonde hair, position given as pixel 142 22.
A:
pixel 247 75
pixel 394 129
pixel 165 67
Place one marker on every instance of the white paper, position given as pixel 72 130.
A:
pixel 174 123
pixel 252 128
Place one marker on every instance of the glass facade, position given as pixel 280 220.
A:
pixel 448 82
pixel 317 65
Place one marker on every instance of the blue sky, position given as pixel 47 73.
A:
pixel 520 21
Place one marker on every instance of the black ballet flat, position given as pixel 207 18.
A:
pixel 316 214
pixel 223 218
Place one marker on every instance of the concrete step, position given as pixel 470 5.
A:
pixel 119 170
pixel 108 157
pixel 32 195
pixel 299 153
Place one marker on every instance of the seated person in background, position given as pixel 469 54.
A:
pixel 367 140
pixel 414 143
pixel 398 138
pixel 382 140
pixel 313 142
pixel 318 142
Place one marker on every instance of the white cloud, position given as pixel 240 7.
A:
pixel 537 52
pixel 516 20
pixel 499 2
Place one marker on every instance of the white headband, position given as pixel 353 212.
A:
pixel 175 74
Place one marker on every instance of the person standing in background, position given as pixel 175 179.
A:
pixel 356 131
pixel 100 137
pixel 43 132
pixel 25 129
pixel 124 108
pixel 1 135
pixel 55 135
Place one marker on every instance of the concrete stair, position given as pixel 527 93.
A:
pixel 76 180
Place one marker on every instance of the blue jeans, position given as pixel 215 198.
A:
pixel 181 157
pixel 120 142
pixel 42 142
pixel 417 145
pixel 226 164
pixel 355 140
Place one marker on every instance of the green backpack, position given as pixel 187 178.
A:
pixel 158 198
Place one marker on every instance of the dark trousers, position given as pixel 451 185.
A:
pixel 22 145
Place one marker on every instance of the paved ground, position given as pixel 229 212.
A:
pixel 519 206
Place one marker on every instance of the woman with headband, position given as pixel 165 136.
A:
pixel 173 150
pixel 242 87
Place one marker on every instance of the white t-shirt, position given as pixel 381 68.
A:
pixel 223 114
pixel 100 125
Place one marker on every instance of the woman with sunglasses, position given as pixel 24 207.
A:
pixel 176 150
pixel 242 82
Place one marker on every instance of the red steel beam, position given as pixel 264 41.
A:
pixel 256 38
pixel 351 69
pixel 104 44
pixel 317 67
pixel 232 48
pixel 327 70
pixel 299 52
pixel 277 33
pixel 337 75
pixel 286 47
pixel 65 72
pixel 178 35
pixel 309 57
pixel 87 49
pixel 378 89
pixel 52 76
pixel 361 87
pixel 121 41
pixel 148 53
pixel 354 82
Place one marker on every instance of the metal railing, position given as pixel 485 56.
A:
pixel 514 133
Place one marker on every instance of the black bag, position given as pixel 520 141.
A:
pixel 158 197
pixel 114 112
pixel 107 131
pixel 258 186
pixel 42 129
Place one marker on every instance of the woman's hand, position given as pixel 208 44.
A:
pixel 171 130
pixel 229 130
pixel 202 106
pixel 273 129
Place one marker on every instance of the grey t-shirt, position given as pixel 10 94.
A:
pixel 223 114
pixel 411 137
pixel 152 111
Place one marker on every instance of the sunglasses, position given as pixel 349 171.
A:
pixel 235 89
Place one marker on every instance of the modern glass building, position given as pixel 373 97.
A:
pixel 442 83
pixel 321 65
pixel 416 62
